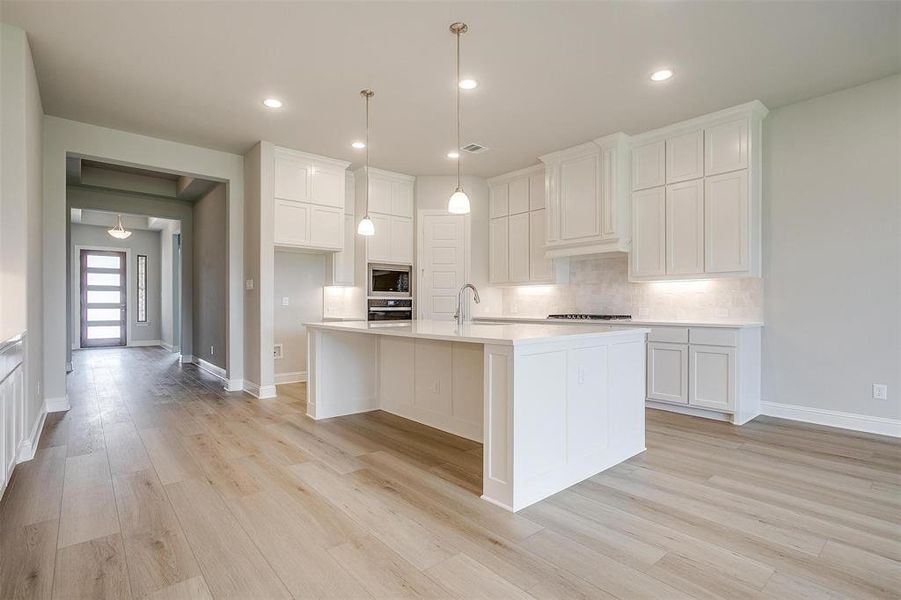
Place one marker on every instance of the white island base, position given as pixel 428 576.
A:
pixel 552 404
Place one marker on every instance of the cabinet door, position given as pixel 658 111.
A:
pixel 726 223
pixel 402 240
pixel 726 147
pixel 498 200
pixel 648 165
pixel 292 178
pixel 536 191
pixel 648 233
pixel 292 223
pixel 518 195
pixel 402 198
pixel 326 227
pixel 498 261
pixel 685 228
pixel 349 193
pixel 328 187
pixel 685 157
pixel 580 198
pixel 379 195
pixel 712 379
pixel 668 372
pixel 342 263
pixel 518 244
pixel 540 268
pixel 378 246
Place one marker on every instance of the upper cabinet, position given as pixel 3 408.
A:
pixel 517 228
pixel 587 198
pixel 339 266
pixel 696 197
pixel 391 202
pixel 308 196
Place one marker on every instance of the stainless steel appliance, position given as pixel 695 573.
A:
pixel 588 317
pixel 390 309
pixel 390 281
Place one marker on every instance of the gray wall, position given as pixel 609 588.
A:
pixel 169 289
pixel 21 251
pixel 140 242
pixel 210 277
pixel 298 277
pixel 832 261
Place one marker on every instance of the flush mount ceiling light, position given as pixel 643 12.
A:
pixel 661 75
pixel 359 145
pixel 366 226
pixel 118 231
pixel 272 103
pixel 468 84
pixel 453 154
pixel 458 203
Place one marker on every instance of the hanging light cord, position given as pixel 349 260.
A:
pixel 367 95
pixel 457 86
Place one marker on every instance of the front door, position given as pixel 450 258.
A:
pixel 103 298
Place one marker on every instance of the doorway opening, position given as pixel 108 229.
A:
pixel 103 298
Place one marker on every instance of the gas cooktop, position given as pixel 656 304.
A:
pixel 587 317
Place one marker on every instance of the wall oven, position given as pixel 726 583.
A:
pixel 390 309
pixel 390 281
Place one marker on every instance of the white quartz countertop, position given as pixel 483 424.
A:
pixel 503 333
pixel 628 322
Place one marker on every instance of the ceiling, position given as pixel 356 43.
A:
pixel 552 74
pixel 81 172
pixel 108 220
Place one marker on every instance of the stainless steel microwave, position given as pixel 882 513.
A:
pixel 393 281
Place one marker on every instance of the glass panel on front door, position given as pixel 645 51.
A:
pixel 103 298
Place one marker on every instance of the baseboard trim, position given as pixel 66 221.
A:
pixel 141 343
pixel 168 347
pixel 295 377
pixel 30 445
pixel 60 404
pixel 688 410
pixel 833 418
pixel 185 358
pixel 210 368
pixel 234 385
pixel 259 392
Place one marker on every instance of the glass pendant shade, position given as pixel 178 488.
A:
pixel 366 227
pixel 118 231
pixel 458 203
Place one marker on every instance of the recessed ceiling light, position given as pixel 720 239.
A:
pixel 661 75
pixel 358 145
pixel 453 154
pixel 468 84
pixel 272 103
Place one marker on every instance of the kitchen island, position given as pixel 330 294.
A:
pixel 552 404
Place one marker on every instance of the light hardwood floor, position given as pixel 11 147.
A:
pixel 157 484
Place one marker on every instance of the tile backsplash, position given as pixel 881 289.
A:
pixel 599 284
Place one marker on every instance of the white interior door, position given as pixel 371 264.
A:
pixel 442 265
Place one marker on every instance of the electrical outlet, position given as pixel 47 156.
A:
pixel 286 301
pixel 277 351
pixel 248 284
pixel 212 351
pixel 880 391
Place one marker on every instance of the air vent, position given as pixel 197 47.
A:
pixel 474 148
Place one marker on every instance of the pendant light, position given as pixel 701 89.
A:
pixel 458 204
pixel 366 227
pixel 118 231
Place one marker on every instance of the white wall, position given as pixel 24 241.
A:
pixel 140 242
pixel 21 251
pixel 168 286
pixel 62 136
pixel 432 192
pixel 298 277
pixel 832 251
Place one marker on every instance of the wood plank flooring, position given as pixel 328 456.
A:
pixel 157 484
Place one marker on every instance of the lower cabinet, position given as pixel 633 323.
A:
pixel 712 377
pixel 668 372
pixel 12 407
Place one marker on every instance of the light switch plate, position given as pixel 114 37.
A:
pixel 880 391
pixel 286 301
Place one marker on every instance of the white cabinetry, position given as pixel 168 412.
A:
pixel 12 408
pixel 339 267
pixel 517 229
pixel 308 198
pixel 709 171
pixel 391 206
pixel 668 372
pixel 588 198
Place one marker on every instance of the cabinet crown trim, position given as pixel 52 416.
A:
pixel 291 153
pixel 361 172
pixel 585 149
pixel 755 109
pixel 506 177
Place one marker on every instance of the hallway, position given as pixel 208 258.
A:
pixel 157 484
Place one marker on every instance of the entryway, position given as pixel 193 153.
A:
pixel 103 298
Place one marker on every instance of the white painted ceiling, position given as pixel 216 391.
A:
pixel 553 74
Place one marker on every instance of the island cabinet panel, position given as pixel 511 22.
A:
pixel 587 420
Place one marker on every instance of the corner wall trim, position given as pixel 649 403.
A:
pixel 210 368
pixel 833 418
pixel 30 444
pixel 168 347
pixel 60 404
pixel 257 391
pixel 185 358
pixel 293 377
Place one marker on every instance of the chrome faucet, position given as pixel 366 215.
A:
pixel 461 309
